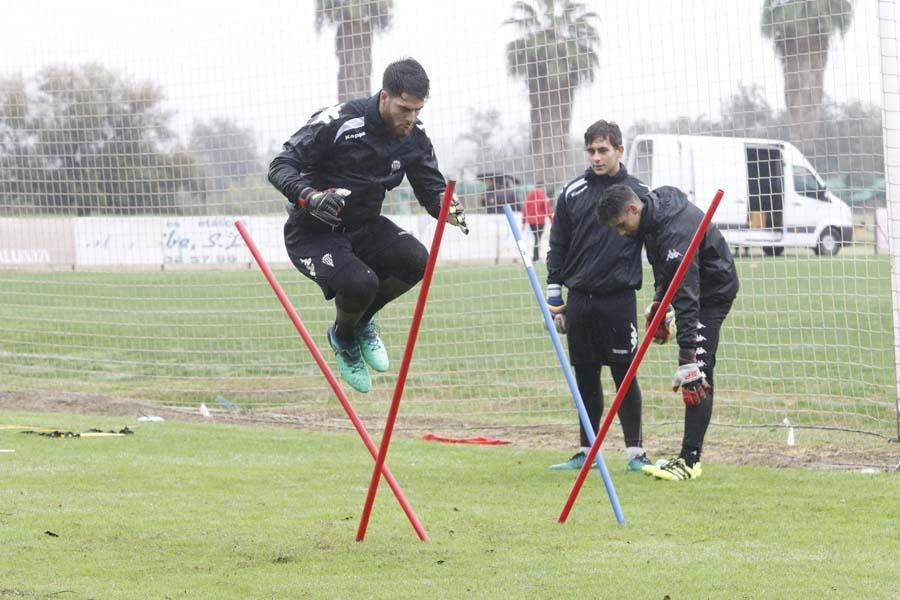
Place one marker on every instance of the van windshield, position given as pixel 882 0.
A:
pixel 807 184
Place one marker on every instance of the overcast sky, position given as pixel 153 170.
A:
pixel 263 64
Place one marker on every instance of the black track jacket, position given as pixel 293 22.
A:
pixel 346 146
pixel 668 223
pixel 586 255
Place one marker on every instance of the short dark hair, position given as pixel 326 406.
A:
pixel 405 75
pixel 603 129
pixel 613 201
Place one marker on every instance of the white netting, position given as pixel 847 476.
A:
pixel 131 140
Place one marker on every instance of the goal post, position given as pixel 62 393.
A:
pixel 889 21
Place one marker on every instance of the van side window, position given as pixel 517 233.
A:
pixel 805 183
pixel 643 161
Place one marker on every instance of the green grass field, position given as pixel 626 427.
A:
pixel 187 511
pixel 808 339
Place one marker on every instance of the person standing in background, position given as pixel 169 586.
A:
pixel 601 271
pixel 535 213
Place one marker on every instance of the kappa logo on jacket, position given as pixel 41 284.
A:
pixel 356 123
pixel 673 254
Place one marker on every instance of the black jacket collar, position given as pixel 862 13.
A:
pixel 606 180
pixel 373 115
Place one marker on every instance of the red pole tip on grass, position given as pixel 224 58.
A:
pixel 407 358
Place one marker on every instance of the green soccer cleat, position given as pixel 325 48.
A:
pixel 638 463
pixel 373 350
pixel 677 470
pixel 572 464
pixel 350 363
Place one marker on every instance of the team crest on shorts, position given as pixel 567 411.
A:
pixel 395 166
pixel 327 260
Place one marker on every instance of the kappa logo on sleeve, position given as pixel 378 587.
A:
pixel 673 254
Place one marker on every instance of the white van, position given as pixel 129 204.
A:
pixel 773 197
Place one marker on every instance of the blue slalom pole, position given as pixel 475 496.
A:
pixel 564 362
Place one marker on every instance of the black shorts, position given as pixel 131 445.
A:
pixel 320 255
pixel 601 330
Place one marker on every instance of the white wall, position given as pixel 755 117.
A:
pixel 156 242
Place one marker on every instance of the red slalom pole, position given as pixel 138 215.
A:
pixel 407 358
pixel 645 343
pixel 332 381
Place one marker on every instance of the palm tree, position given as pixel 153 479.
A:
pixel 801 31
pixel 555 54
pixel 357 22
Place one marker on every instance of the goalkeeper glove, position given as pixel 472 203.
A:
pixel 666 327
pixel 457 215
pixel 325 206
pixel 690 378
pixel 557 306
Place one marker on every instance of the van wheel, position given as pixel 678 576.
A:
pixel 829 242
pixel 773 250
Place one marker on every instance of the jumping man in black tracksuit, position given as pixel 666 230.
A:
pixel 601 271
pixel 335 171
pixel 666 222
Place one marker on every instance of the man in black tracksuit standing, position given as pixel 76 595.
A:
pixel 335 171
pixel 601 271
pixel 666 222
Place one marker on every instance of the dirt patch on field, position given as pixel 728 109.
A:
pixel 763 446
